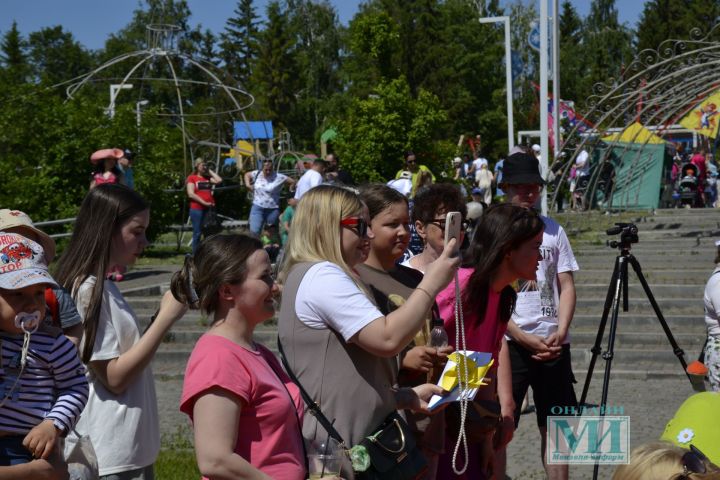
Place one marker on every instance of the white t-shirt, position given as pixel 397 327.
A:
pixel 479 162
pixel 536 309
pixel 582 164
pixel 310 179
pixel 266 190
pixel 124 428
pixel 712 304
pixel 327 296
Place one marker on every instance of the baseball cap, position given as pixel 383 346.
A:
pixel 476 191
pixel 521 168
pixel 16 219
pixel 100 155
pixel 536 148
pixel 22 263
pixel 697 423
pixel 457 161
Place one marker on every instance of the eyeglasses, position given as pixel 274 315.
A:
pixel 360 225
pixel 440 223
pixel 694 461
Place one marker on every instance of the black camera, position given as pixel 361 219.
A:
pixel 628 235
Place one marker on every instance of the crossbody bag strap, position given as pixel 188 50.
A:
pixel 313 407
pixel 297 417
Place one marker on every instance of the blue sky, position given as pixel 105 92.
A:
pixel 90 21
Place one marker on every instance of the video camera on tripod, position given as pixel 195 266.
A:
pixel 628 235
pixel 617 295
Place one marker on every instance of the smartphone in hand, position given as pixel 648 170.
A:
pixel 453 227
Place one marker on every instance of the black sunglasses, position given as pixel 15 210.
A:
pixel 357 223
pixel 694 461
pixel 441 224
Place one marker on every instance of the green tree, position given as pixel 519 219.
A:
pixel 607 47
pixel 571 59
pixel 239 42
pixel 56 56
pixel 15 66
pixel 373 38
pixel 379 128
pixel 276 71
pixel 674 19
pixel 317 53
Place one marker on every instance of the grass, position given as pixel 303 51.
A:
pixel 177 457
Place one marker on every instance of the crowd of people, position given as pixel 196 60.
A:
pixel 356 308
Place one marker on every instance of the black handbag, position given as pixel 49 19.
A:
pixel 210 223
pixel 390 452
pixel 393 452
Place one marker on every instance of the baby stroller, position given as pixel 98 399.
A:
pixel 686 191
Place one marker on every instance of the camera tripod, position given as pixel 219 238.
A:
pixel 617 292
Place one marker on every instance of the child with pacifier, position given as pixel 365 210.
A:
pixel 43 388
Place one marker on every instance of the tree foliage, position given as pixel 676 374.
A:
pixel 239 42
pixel 403 74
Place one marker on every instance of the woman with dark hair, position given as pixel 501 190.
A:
pixel 338 343
pixel 430 206
pixel 121 414
pixel 505 247
pixel 711 300
pixel 244 409
pixel 391 285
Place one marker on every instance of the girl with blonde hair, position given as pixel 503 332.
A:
pixel 336 341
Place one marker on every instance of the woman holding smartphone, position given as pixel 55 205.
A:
pixel 337 342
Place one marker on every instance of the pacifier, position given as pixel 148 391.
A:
pixel 28 322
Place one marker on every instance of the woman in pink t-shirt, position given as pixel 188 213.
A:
pixel 246 412
pixel 505 247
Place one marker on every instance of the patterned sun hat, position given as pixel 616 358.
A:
pixel 22 263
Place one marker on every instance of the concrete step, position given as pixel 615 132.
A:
pixel 633 358
pixel 654 276
pixel 690 249
pixel 635 290
pixel 640 304
pixel 640 322
pixel 640 340
pixel 650 263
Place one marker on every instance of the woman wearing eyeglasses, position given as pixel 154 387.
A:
pixel 336 340
pixel 391 285
pixel 430 206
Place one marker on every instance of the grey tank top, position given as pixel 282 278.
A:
pixel 352 386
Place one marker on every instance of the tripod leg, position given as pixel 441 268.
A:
pixel 596 349
pixel 679 353
pixel 610 352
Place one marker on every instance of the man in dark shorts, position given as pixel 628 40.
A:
pixel 538 331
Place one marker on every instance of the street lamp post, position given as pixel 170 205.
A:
pixel 114 90
pixel 138 111
pixel 508 73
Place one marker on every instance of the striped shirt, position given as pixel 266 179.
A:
pixel 52 386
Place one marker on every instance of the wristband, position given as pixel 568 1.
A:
pixel 432 300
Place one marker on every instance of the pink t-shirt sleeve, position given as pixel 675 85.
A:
pixel 208 368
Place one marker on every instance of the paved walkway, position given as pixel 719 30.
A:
pixel 650 403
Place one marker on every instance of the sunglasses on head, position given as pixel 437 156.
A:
pixel 358 224
pixel 694 461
